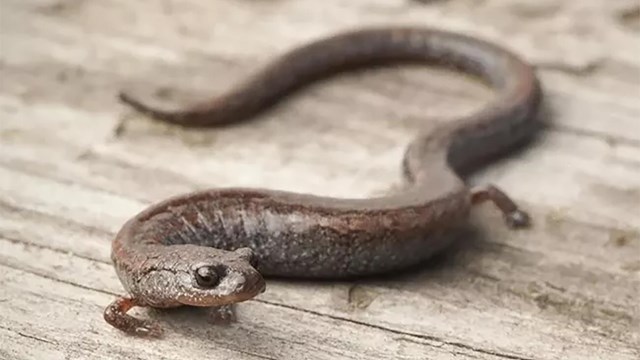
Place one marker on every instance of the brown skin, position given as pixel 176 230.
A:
pixel 160 253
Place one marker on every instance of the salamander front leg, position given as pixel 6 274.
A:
pixel 514 217
pixel 116 315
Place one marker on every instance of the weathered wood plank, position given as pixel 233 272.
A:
pixel 475 271
pixel 74 166
pixel 264 330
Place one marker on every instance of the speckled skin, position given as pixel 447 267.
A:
pixel 306 236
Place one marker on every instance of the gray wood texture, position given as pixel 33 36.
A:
pixel 75 165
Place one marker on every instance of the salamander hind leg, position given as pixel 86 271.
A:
pixel 513 215
pixel 116 315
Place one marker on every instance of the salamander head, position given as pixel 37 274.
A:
pixel 200 276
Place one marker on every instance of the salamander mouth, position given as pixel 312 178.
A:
pixel 247 292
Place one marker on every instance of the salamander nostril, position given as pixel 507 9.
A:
pixel 254 261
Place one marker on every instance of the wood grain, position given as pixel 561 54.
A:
pixel 75 165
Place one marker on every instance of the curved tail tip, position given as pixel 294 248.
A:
pixel 141 107
pixel 128 99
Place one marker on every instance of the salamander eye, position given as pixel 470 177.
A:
pixel 206 277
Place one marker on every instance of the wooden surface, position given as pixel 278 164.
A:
pixel 75 165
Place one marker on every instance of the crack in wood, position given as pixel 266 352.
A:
pixel 582 70
pixel 612 140
pixel 50 248
pixel 29 336
pixel 401 332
